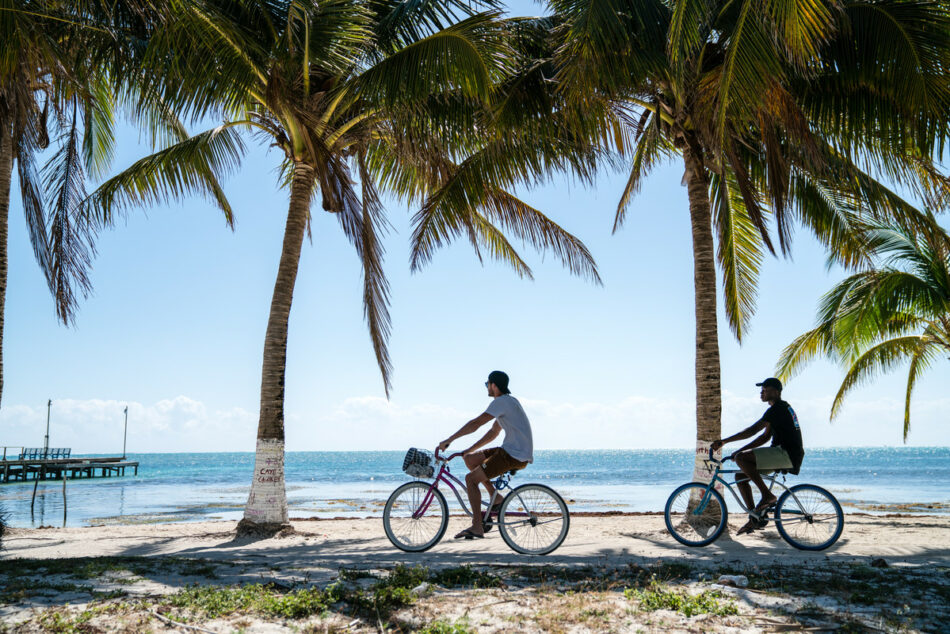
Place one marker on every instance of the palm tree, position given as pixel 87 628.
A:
pixel 780 111
pixel 878 318
pixel 361 97
pixel 65 67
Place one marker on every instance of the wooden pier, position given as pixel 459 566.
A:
pixel 30 469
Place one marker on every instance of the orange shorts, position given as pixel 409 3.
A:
pixel 498 461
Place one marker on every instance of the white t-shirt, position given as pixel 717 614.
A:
pixel 518 443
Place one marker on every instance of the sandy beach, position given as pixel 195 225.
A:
pixel 605 567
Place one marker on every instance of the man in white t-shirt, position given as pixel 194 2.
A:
pixel 515 452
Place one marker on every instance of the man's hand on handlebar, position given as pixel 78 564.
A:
pixel 716 445
pixel 444 445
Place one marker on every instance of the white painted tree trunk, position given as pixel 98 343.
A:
pixel 702 469
pixel 267 502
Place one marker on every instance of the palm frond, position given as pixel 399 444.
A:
pixel 751 63
pixel 31 194
pixel 375 285
pixel 607 44
pixel 191 166
pixel 802 26
pixel 398 23
pixel 833 215
pixel 71 237
pixel 541 232
pixel 878 359
pixel 740 252
pixel 461 56
pixel 99 133
pixel 490 238
pixel 690 24
pixel 803 349
pixel 652 146
pixel 922 360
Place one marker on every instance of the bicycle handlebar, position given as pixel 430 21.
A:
pixel 711 459
pixel 443 458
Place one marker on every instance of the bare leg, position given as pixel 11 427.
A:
pixel 472 482
pixel 746 462
pixel 477 459
pixel 746 491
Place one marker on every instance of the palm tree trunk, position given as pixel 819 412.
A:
pixel 266 510
pixel 708 385
pixel 6 171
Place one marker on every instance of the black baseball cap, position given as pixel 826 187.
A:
pixel 771 382
pixel 500 379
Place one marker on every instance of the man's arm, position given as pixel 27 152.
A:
pixel 466 429
pixel 487 438
pixel 758 442
pixel 748 432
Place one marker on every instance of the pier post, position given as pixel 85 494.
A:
pixel 64 499
pixel 125 430
pixel 36 483
pixel 49 406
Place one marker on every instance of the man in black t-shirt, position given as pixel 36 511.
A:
pixel 781 425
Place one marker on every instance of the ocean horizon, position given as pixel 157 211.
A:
pixel 201 486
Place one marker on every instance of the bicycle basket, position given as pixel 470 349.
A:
pixel 418 463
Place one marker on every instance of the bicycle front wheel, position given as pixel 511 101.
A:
pixel 809 517
pixel 533 519
pixel 695 516
pixel 413 519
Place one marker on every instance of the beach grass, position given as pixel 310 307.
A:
pixel 850 596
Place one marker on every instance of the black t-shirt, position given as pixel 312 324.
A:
pixel 786 432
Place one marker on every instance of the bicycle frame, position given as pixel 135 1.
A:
pixel 770 478
pixel 445 475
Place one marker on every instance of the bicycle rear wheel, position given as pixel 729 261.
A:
pixel 811 519
pixel 693 517
pixel 405 527
pixel 533 519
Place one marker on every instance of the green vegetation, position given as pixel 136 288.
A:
pixel 778 121
pixel 445 627
pixel 213 602
pixel 22 579
pixel 15 590
pixel 65 622
pixel 378 601
pixel 879 318
pixel 565 596
pixel 466 577
pixel 656 597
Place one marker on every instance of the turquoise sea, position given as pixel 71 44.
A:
pixel 207 486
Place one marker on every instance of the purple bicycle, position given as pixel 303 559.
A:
pixel 532 519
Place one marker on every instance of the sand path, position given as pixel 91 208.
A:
pixel 320 548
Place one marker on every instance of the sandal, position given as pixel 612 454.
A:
pixel 764 506
pixel 749 527
pixel 468 534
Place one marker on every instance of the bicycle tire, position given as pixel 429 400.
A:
pixel 814 522
pixel 429 528
pixel 533 514
pixel 683 525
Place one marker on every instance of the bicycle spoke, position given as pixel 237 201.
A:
pixel 409 525
pixel 535 520
pixel 810 519
pixel 694 516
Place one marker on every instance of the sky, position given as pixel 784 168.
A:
pixel 174 330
